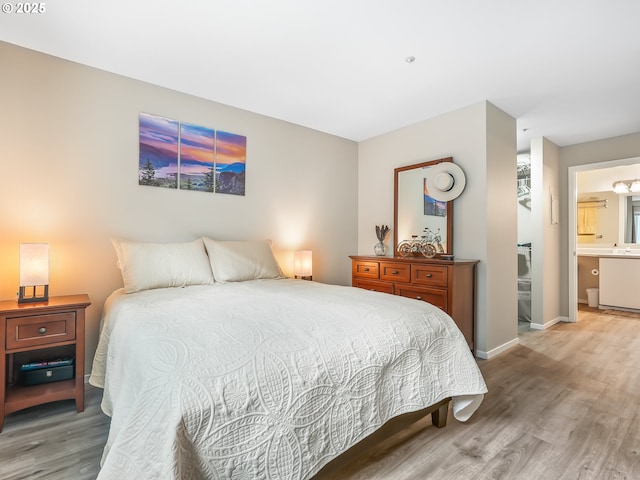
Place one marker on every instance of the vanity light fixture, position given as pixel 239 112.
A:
pixel 34 273
pixel 620 187
pixel 626 186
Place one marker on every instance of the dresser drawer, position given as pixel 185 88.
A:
pixel 365 269
pixel 396 272
pixel 434 296
pixel 376 286
pixel 40 330
pixel 431 275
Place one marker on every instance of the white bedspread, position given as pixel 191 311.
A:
pixel 267 378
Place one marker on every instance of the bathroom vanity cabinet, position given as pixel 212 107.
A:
pixel 619 280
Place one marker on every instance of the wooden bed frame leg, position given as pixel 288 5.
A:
pixel 439 416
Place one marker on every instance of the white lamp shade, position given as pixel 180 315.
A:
pixel 303 263
pixel 34 264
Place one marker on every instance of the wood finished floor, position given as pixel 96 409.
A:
pixel 564 404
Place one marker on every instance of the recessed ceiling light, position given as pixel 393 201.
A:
pixel 410 59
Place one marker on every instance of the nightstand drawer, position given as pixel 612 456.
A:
pixel 40 330
pixel 432 275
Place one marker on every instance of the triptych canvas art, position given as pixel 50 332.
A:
pixel 190 157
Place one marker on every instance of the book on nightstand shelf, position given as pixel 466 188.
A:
pixel 60 362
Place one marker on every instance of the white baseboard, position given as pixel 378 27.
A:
pixel 542 326
pixel 495 351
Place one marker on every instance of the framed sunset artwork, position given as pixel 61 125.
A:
pixel 231 158
pixel 158 159
pixel 182 155
pixel 197 156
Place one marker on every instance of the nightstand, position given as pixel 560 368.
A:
pixel 38 332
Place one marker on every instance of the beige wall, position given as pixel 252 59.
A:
pixel 69 156
pixel 501 231
pixel 481 139
pixel 545 275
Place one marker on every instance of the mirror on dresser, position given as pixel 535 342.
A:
pixel 416 211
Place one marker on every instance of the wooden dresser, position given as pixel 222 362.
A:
pixel 448 284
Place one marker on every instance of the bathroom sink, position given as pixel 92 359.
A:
pixel 609 252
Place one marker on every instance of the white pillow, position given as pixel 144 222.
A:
pixel 237 261
pixel 157 265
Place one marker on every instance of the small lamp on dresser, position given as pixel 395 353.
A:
pixel 34 273
pixel 303 264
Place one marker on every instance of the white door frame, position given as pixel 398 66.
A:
pixel 573 225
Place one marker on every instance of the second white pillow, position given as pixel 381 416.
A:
pixel 238 261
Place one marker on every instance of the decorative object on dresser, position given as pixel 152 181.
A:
pixel 40 343
pixel 381 232
pixel 447 284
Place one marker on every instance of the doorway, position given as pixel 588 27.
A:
pixel 607 173
pixel 523 164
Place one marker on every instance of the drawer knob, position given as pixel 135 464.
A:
pixel 42 330
pixel 395 272
pixel 366 269
pixel 418 297
pixel 429 275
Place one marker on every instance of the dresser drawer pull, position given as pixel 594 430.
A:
pixel 418 297
pixel 365 269
pixel 42 330
pixel 395 272
pixel 428 275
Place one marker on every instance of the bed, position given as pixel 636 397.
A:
pixel 262 377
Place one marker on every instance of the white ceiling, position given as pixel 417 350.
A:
pixel 568 70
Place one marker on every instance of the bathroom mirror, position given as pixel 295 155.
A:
pixel 630 218
pixel 615 218
pixel 416 211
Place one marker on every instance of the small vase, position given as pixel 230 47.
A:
pixel 379 249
